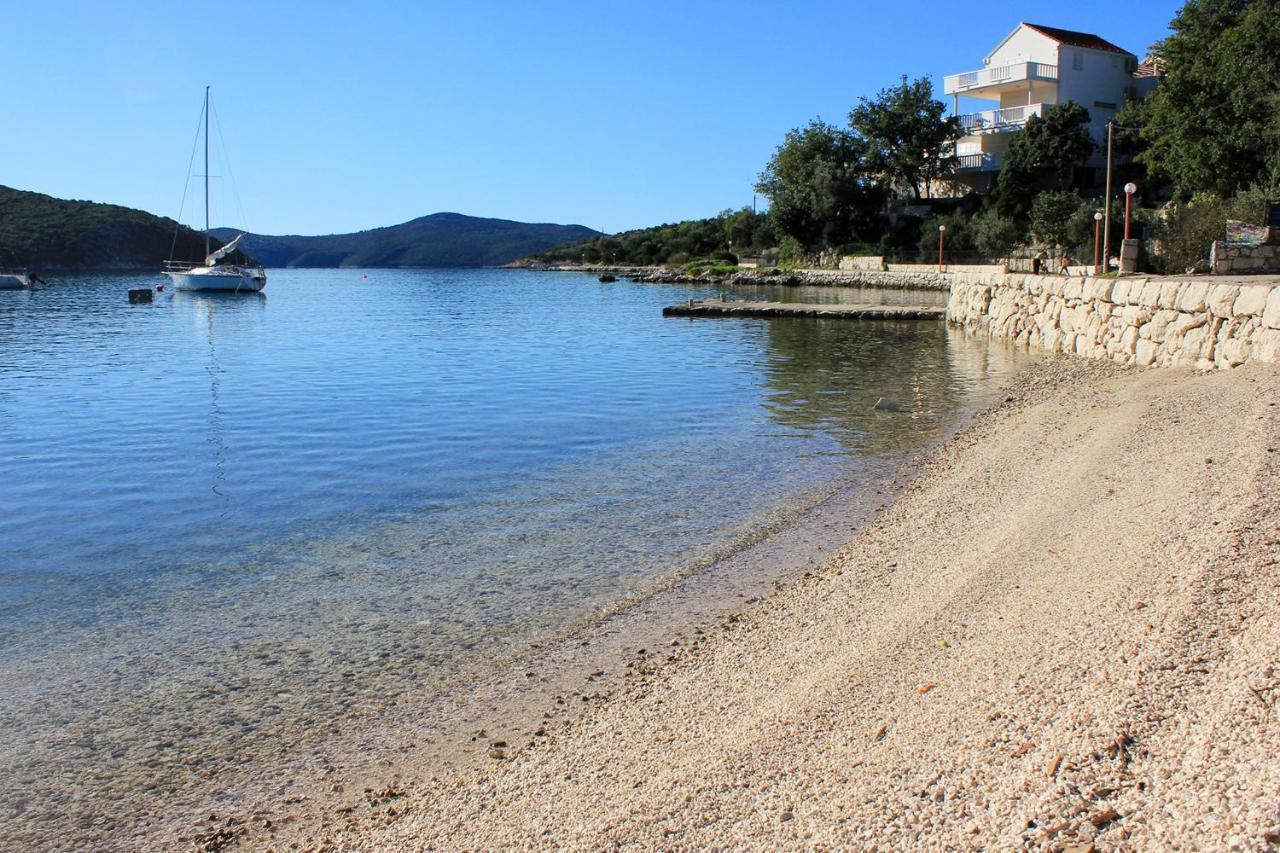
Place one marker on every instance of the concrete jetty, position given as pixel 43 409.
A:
pixel 717 308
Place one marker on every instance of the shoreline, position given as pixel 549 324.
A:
pixel 1006 656
pixel 351 782
pixel 767 276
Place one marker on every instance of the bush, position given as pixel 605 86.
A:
pixel 726 256
pixel 1051 214
pixel 790 251
pixel 959 236
pixel 1187 229
pixel 995 236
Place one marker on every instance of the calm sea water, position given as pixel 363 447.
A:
pixel 229 521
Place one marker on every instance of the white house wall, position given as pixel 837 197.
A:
pixel 1098 84
pixel 1025 45
pixel 1037 92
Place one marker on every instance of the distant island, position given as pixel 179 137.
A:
pixel 41 232
pixel 438 240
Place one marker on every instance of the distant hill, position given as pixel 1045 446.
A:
pixel 41 232
pixel 438 240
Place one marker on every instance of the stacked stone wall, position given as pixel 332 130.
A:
pixel 1225 259
pixel 1159 321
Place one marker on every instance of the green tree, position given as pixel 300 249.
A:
pixel 1051 214
pixel 959 240
pixel 994 235
pixel 911 140
pixel 1213 123
pixel 1043 156
pixel 819 186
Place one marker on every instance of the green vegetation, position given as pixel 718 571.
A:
pixel 910 140
pixel 716 238
pixel 821 188
pixel 41 232
pixel 1043 157
pixel 441 239
pixel 1213 124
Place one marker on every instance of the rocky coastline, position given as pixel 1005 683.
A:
pixel 769 276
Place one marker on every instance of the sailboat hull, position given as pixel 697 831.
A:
pixel 215 280
pixel 14 281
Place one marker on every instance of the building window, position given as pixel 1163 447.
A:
pixel 1077 61
pixel 1104 105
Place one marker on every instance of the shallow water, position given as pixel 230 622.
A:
pixel 228 524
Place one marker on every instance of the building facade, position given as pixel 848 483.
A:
pixel 1034 68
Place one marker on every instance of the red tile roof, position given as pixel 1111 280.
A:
pixel 1075 39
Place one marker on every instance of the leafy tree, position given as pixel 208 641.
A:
pixel 1214 121
pixel 994 235
pixel 1051 214
pixel 1043 156
pixel 959 236
pixel 912 141
pixel 819 186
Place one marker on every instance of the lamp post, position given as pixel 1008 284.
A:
pixel 1097 243
pixel 1106 227
pixel 1129 190
pixel 942 242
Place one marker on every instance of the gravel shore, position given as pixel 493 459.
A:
pixel 1064 633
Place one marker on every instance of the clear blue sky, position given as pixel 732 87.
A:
pixel 344 116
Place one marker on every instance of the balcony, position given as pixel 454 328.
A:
pixel 1005 77
pixel 978 162
pixel 999 121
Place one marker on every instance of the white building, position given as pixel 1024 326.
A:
pixel 1034 68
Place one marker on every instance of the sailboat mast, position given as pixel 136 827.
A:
pixel 206 171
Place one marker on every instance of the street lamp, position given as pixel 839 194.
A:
pixel 1129 190
pixel 942 242
pixel 1097 243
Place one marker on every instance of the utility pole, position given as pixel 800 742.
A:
pixel 1106 223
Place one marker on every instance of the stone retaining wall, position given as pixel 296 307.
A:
pixel 1205 323
pixel 1224 259
pixel 862 262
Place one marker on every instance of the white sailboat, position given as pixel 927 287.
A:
pixel 212 276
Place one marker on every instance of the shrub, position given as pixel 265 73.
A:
pixel 994 235
pixel 1187 229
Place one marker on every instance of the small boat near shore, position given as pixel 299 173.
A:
pixel 14 281
pixel 212 276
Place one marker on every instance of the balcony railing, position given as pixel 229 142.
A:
pixel 1009 118
pixel 978 162
pixel 998 76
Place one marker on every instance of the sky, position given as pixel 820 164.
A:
pixel 345 116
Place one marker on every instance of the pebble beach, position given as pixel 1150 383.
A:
pixel 1062 635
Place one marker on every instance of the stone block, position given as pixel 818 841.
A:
pixel 1266 345
pixel 1221 298
pixel 1233 352
pixel 1194 296
pixel 1135 315
pixel 1144 353
pixel 1129 340
pixel 1271 315
pixel 1169 291
pixel 1252 301
pixel 1149 294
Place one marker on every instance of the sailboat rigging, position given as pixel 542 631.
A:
pixel 212 276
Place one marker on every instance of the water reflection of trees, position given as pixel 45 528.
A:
pixel 826 375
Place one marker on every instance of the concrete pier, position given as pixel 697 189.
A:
pixel 715 308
